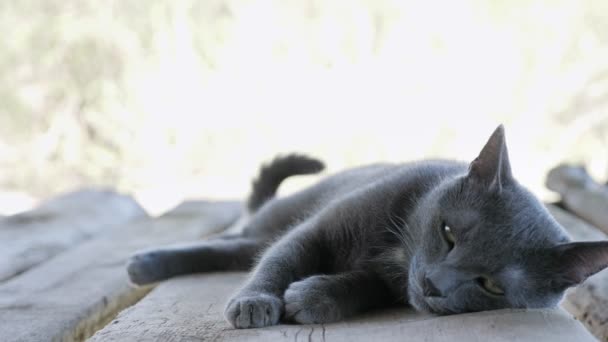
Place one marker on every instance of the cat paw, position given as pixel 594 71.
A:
pixel 308 301
pixel 254 311
pixel 145 268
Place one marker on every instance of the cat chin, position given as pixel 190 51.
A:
pixel 419 302
pixel 430 305
pixel 416 298
pixel 437 306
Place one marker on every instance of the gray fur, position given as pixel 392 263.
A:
pixel 374 236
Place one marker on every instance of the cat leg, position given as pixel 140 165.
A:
pixel 260 302
pixel 331 298
pixel 221 254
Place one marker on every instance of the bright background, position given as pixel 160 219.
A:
pixel 174 99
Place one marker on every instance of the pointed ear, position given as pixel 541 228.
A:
pixel 574 262
pixel 492 168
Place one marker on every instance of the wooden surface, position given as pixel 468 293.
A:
pixel 79 291
pixel 588 302
pixel 190 309
pixel 33 237
pixel 581 194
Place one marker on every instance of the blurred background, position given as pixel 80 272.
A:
pixel 169 100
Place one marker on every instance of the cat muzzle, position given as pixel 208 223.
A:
pixel 429 289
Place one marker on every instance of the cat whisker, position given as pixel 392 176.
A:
pixel 398 229
pixel 402 239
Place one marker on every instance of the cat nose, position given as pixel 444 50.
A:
pixel 429 289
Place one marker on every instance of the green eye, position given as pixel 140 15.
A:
pixel 448 235
pixel 490 286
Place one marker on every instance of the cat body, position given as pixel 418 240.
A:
pixel 443 236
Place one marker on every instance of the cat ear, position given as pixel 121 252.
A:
pixel 492 168
pixel 574 262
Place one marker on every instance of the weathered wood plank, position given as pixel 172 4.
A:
pixel 588 302
pixel 578 229
pixel 76 293
pixel 190 309
pixel 32 237
pixel 581 194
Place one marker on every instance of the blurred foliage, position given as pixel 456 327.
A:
pixel 188 97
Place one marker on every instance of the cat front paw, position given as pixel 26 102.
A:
pixel 145 268
pixel 254 310
pixel 309 302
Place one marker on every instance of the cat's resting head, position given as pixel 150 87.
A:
pixel 488 243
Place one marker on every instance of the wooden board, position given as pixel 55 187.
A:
pixel 190 309
pixel 588 302
pixel 32 237
pixel 581 194
pixel 79 291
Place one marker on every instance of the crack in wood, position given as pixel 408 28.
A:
pixel 312 330
pixel 323 332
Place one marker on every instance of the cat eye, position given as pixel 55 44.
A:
pixel 448 235
pixel 490 286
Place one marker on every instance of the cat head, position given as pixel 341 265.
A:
pixel 488 243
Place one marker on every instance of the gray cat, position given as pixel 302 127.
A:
pixel 440 235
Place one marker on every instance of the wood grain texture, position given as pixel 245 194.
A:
pixel 588 302
pixel 33 237
pixel 79 291
pixel 190 309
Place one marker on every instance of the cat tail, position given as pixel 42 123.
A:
pixel 271 175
